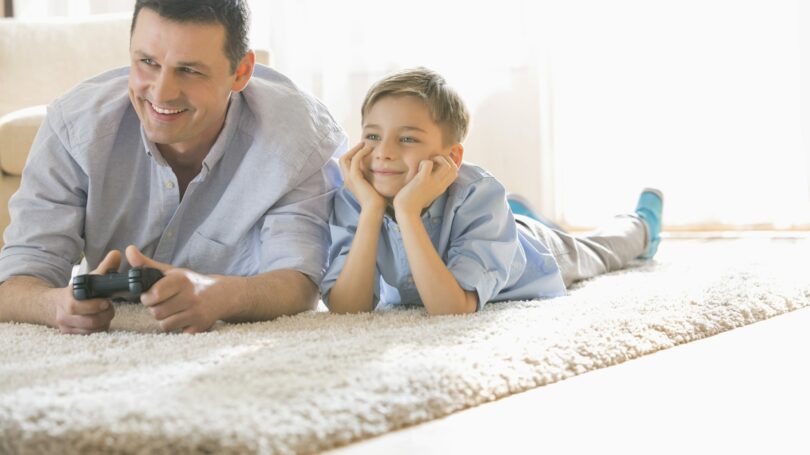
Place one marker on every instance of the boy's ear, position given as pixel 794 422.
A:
pixel 456 153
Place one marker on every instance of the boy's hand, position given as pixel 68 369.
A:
pixel 351 166
pixel 433 178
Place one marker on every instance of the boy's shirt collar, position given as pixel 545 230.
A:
pixel 434 211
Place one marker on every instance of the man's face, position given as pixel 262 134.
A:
pixel 181 81
pixel 403 134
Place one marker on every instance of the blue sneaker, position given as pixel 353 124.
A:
pixel 650 207
pixel 521 206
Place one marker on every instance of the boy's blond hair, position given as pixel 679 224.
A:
pixel 445 106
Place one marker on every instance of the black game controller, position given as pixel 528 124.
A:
pixel 126 286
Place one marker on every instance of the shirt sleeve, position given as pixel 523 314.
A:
pixel 45 236
pixel 343 228
pixel 484 246
pixel 295 231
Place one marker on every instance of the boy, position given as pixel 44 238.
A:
pixel 413 225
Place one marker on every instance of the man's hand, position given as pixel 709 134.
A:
pixel 183 299
pixel 351 166
pixel 86 316
pixel 434 177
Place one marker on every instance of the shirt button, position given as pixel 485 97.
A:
pixel 169 234
pixel 169 184
pixel 435 220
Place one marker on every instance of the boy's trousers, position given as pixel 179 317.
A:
pixel 609 248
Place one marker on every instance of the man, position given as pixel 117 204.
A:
pixel 221 178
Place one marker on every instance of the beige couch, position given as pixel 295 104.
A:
pixel 40 60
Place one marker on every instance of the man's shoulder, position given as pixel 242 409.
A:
pixel 92 108
pixel 276 100
pixel 97 91
pixel 288 124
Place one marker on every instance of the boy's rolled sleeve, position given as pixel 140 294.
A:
pixel 484 246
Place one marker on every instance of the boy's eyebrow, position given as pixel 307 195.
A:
pixel 404 128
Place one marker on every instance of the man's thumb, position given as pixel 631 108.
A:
pixel 110 262
pixel 137 259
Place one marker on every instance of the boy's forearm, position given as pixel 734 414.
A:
pixel 353 291
pixel 438 288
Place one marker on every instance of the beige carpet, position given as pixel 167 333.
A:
pixel 315 381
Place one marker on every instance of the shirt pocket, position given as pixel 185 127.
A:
pixel 209 256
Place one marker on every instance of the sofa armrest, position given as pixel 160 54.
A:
pixel 17 132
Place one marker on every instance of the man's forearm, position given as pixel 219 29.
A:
pixel 27 299
pixel 268 296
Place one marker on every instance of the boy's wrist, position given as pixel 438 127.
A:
pixel 373 212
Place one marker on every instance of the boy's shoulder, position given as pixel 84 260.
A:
pixel 472 177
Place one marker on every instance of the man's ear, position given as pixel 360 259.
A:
pixel 456 153
pixel 244 71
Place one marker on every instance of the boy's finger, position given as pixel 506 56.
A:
pixel 357 159
pixel 350 154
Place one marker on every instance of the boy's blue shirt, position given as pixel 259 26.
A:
pixel 475 234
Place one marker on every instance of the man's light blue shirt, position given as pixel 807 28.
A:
pixel 473 231
pixel 94 183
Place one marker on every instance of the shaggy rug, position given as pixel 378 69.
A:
pixel 316 381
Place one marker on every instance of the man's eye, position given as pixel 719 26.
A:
pixel 148 61
pixel 373 137
pixel 188 70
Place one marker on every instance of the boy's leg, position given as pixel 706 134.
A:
pixel 609 248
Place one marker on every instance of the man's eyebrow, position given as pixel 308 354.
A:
pixel 199 65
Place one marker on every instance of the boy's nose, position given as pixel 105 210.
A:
pixel 383 151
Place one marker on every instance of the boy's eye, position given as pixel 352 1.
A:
pixel 408 139
pixel 373 137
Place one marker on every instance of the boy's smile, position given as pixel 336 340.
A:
pixel 403 134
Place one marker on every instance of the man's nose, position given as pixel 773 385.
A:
pixel 165 87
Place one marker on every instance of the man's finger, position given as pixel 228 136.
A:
pixel 165 289
pixel 93 322
pixel 110 262
pixel 137 259
pixel 87 307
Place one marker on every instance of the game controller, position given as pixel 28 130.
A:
pixel 125 286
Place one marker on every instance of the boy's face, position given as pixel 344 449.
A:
pixel 181 80
pixel 403 134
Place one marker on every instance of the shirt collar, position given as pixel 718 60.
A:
pixel 434 210
pixel 235 106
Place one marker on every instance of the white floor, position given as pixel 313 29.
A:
pixel 743 391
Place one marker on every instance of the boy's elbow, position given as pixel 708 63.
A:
pixel 467 305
